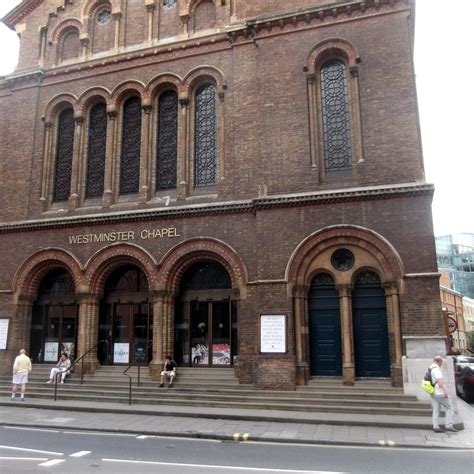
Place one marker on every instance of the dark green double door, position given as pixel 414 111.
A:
pixel 370 329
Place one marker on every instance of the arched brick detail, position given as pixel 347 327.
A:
pixel 91 5
pixel 161 82
pixel 127 89
pixel 333 47
pixel 35 267
pixel 183 255
pixel 92 96
pixel 204 74
pixel 57 104
pixel 383 252
pixel 70 23
pixel 105 261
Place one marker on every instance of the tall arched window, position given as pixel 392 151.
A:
pixel 205 136
pixel 97 150
pixel 167 142
pixel 64 152
pixel 335 117
pixel 70 45
pixel 131 144
pixel 204 15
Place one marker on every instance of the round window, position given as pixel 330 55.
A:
pixel 342 260
pixel 104 17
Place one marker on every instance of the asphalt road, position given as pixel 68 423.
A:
pixel 25 450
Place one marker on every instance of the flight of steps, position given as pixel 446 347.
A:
pixel 218 388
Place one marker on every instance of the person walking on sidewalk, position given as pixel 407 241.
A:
pixel 440 397
pixel 169 370
pixel 62 368
pixel 21 369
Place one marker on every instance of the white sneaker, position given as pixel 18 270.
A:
pixel 62 381
pixel 48 381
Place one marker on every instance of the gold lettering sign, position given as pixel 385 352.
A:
pixel 123 236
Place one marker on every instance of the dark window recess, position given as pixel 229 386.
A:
pixel 206 275
pixel 64 151
pixel 127 279
pixel 205 136
pixel 131 138
pixel 56 282
pixel 342 260
pixel 97 151
pixel 167 146
pixel 336 121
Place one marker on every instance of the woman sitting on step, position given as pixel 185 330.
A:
pixel 62 368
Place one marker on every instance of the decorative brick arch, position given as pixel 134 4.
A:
pixel 92 96
pixel 91 5
pixel 105 261
pixel 204 74
pixel 28 277
pixel 330 48
pixel 63 27
pixel 161 82
pixel 388 259
pixel 128 88
pixel 57 104
pixel 182 256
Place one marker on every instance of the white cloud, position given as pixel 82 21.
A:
pixel 444 67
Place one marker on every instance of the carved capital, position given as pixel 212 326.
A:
pixel 112 114
pixel 354 71
pixel 310 78
pixel 390 288
pixel 344 290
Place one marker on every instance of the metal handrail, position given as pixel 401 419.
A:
pixel 138 376
pixel 81 358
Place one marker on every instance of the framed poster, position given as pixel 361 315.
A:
pixel 3 333
pixel 273 333
pixel 51 351
pixel 121 352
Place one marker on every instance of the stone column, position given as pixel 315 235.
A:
pixel 358 118
pixel 150 8
pixel 74 197
pixel 117 17
pixel 107 198
pixel 310 78
pixel 185 27
pixel 302 368
pixel 348 367
pixel 144 192
pixel 393 302
pixel 84 43
pixel 88 332
pixel 161 306
pixel 46 178
pixel 21 323
pixel 183 149
pixel 43 42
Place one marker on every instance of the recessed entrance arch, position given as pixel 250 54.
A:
pixel 54 319
pixel 125 318
pixel 206 317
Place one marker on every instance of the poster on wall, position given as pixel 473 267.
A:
pixel 3 333
pixel 121 352
pixel 68 348
pixel 272 333
pixel 199 353
pixel 221 354
pixel 51 351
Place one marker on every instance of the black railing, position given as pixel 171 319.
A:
pixel 71 367
pixel 132 364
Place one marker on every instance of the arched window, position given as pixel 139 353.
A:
pixel 204 15
pixel 70 45
pixel 205 150
pixel 131 144
pixel 64 152
pixel 167 140
pixel 335 117
pixel 96 150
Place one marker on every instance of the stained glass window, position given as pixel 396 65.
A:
pixel 97 150
pixel 167 145
pixel 131 142
pixel 336 121
pixel 64 151
pixel 205 136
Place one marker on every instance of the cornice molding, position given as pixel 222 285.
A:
pixel 14 17
pixel 229 207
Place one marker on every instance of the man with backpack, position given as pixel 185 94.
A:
pixel 440 397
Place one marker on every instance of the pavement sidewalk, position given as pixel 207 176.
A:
pixel 235 425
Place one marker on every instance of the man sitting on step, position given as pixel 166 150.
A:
pixel 169 370
pixel 62 368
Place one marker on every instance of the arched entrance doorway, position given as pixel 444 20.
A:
pixel 206 317
pixel 325 327
pixel 125 319
pixel 54 318
pixel 372 357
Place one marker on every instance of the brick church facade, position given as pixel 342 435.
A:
pixel 235 183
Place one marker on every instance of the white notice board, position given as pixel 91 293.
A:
pixel 3 333
pixel 272 333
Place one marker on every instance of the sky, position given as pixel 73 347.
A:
pixel 444 38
